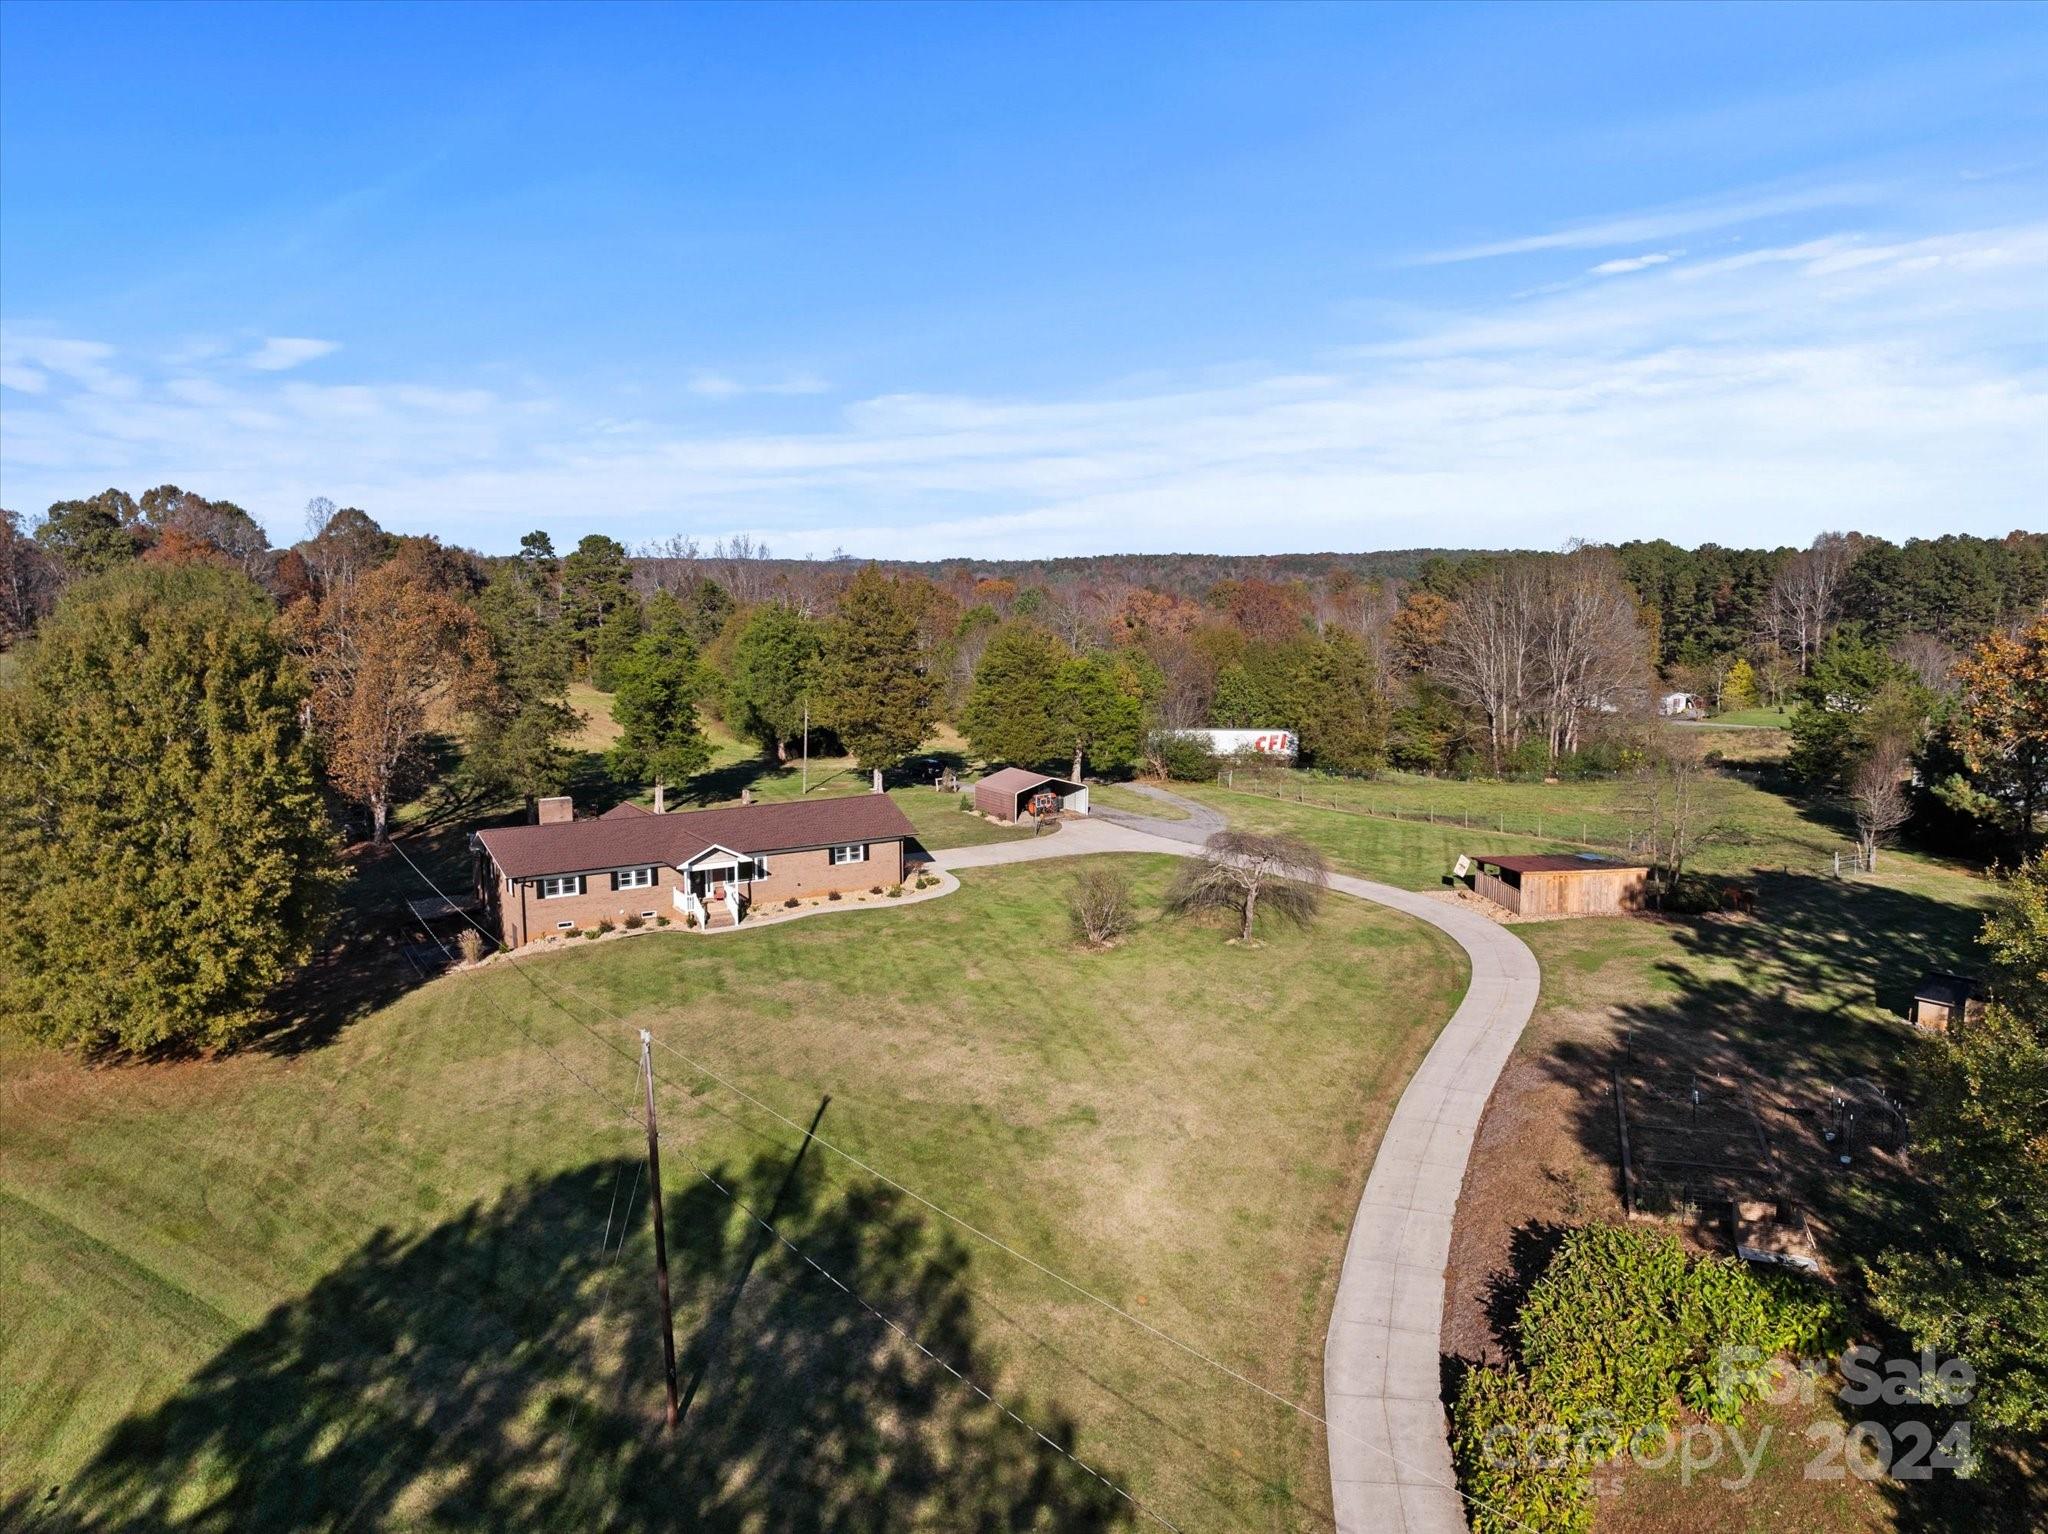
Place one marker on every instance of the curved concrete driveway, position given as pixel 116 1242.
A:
pixel 1390 1455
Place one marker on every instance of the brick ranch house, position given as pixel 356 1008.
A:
pixel 562 873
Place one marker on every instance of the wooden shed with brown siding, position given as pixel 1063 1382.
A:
pixel 1561 884
pixel 1942 1001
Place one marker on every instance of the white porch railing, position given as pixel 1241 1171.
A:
pixel 691 904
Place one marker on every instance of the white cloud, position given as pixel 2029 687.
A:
pixel 278 353
pixel 31 362
pixel 1621 264
pixel 1664 223
pixel 1754 398
pixel 713 385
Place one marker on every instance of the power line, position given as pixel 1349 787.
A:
pixel 844 1288
pixel 1307 1412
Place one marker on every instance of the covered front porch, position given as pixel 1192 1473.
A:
pixel 717 887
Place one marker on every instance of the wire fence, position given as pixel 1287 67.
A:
pixel 1579 830
pixel 1568 828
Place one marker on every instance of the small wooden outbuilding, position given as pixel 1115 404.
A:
pixel 1563 884
pixel 1014 792
pixel 1942 1000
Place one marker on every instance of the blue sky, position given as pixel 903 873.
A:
pixel 1070 279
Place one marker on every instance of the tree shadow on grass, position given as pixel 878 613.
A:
pixel 375 950
pixel 722 785
pixel 495 1372
pixel 1777 1014
pixel 1781 1012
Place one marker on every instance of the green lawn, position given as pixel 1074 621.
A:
pixel 1116 796
pixel 737 766
pixel 1771 718
pixel 362 1281
pixel 1413 828
pixel 1796 1002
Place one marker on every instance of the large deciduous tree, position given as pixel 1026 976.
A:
pixel 1806 597
pixel 165 856
pixel 774 666
pixel 1485 655
pixel 343 546
pixel 88 536
pixel 391 656
pixel 2003 724
pixel 878 689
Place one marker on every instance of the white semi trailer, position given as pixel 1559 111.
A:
pixel 1275 743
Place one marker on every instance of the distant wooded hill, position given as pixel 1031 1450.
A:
pixel 1190 575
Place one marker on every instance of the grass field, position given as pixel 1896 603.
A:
pixel 738 766
pixel 363 1279
pixel 1116 796
pixel 1410 829
pixel 1796 1002
pixel 1770 718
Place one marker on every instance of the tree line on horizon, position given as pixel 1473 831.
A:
pixel 1913 676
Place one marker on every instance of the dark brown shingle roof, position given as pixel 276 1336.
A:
pixel 632 841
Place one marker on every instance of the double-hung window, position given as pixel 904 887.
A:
pixel 566 884
pixel 853 852
pixel 633 879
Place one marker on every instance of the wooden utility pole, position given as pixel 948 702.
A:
pixel 807 746
pixel 668 1323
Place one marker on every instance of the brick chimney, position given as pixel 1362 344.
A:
pixel 557 810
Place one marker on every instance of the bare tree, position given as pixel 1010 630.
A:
pixel 1669 807
pixel 1487 658
pixel 1803 599
pixel 671 564
pixel 1877 794
pixel 1933 662
pixel 1591 649
pixel 1776 675
pixel 742 567
pixel 1099 906
pixel 1239 869
pixel 1550 643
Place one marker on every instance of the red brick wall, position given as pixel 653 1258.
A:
pixel 803 874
